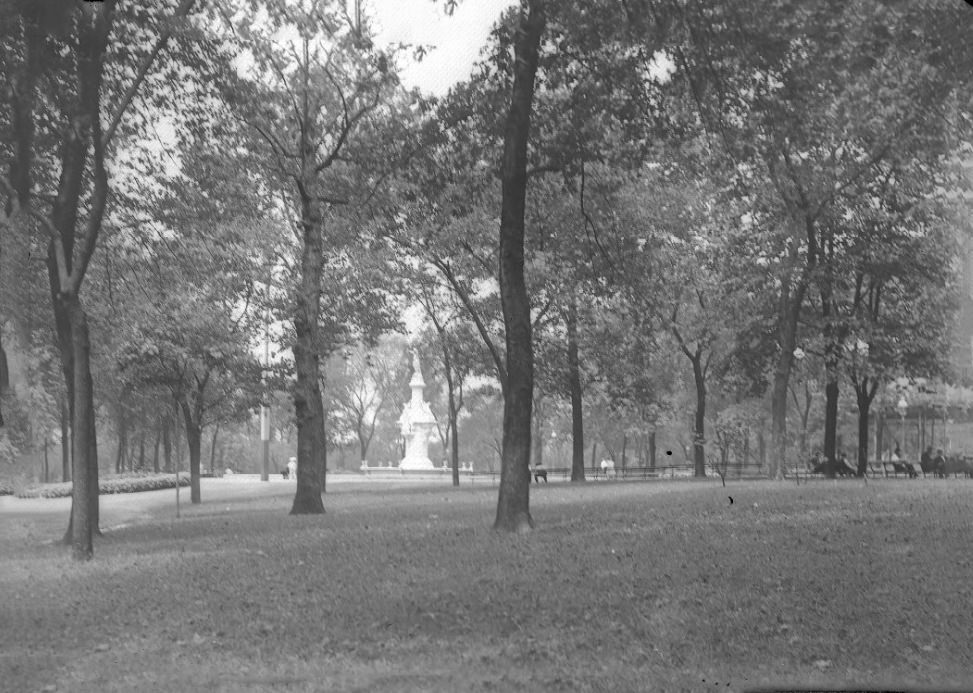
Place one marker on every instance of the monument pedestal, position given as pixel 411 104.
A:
pixel 417 423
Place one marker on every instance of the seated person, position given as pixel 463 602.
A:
pixel 843 467
pixel 925 461
pixel 815 462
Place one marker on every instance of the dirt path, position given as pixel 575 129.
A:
pixel 28 521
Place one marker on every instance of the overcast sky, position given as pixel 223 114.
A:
pixel 458 38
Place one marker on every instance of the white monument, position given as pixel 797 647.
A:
pixel 416 423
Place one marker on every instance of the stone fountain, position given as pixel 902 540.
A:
pixel 416 423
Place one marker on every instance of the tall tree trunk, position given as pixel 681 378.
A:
pixel 212 449
pixel 879 432
pixel 167 424
pixel 177 435
pixel 788 311
pixel 699 434
pixel 831 424
pixel 453 427
pixel 142 451
pixel 155 451
pixel 194 438
pixel 308 407
pixel 832 360
pixel 577 412
pixel 652 448
pixel 863 404
pixel 513 507
pixel 122 439
pixel 72 329
pixel 538 436
pixel 454 435
pixel 84 498
pixel 65 440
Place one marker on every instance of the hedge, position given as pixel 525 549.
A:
pixel 126 484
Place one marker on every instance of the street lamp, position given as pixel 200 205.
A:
pixel 902 407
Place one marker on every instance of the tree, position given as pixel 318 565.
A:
pixel 782 89
pixel 513 512
pixel 365 384
pixel 90 45
pixel 311 107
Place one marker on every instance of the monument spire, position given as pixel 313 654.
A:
pixel 417 422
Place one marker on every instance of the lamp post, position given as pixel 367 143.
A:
pixel 902 407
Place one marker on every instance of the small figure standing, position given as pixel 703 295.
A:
pixel 939 464
pixel 292 468
pixel 604 468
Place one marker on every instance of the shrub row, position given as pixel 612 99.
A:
pixel 127 484
pixel 6 489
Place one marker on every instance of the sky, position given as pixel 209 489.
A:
pixel 457 38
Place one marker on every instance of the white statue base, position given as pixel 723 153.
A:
pixel 416 423
pixel 416 463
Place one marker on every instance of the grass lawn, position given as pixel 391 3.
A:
pixel 655 586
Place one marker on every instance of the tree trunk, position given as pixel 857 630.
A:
pixel 176 436
pixel 84 497
pixel 831 424
pixel 212 449
pixel 699 434
pixel 513 508
pixel 577 412
pixel 362 447
pixel 167 443
pixel 142 451
pixel 538 437
pixel 155 451
pixel 194 438
pixel 652 449
pixel 788 312
pixel 453 414
pixel 863 405
pixel 454 435
pixel 122 439
pixel 65 440
pixel 308 407
pixel 879 432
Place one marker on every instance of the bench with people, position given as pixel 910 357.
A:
pixel 539 472
pixel 840 467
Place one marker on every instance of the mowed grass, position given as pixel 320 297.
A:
pixel 656 586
